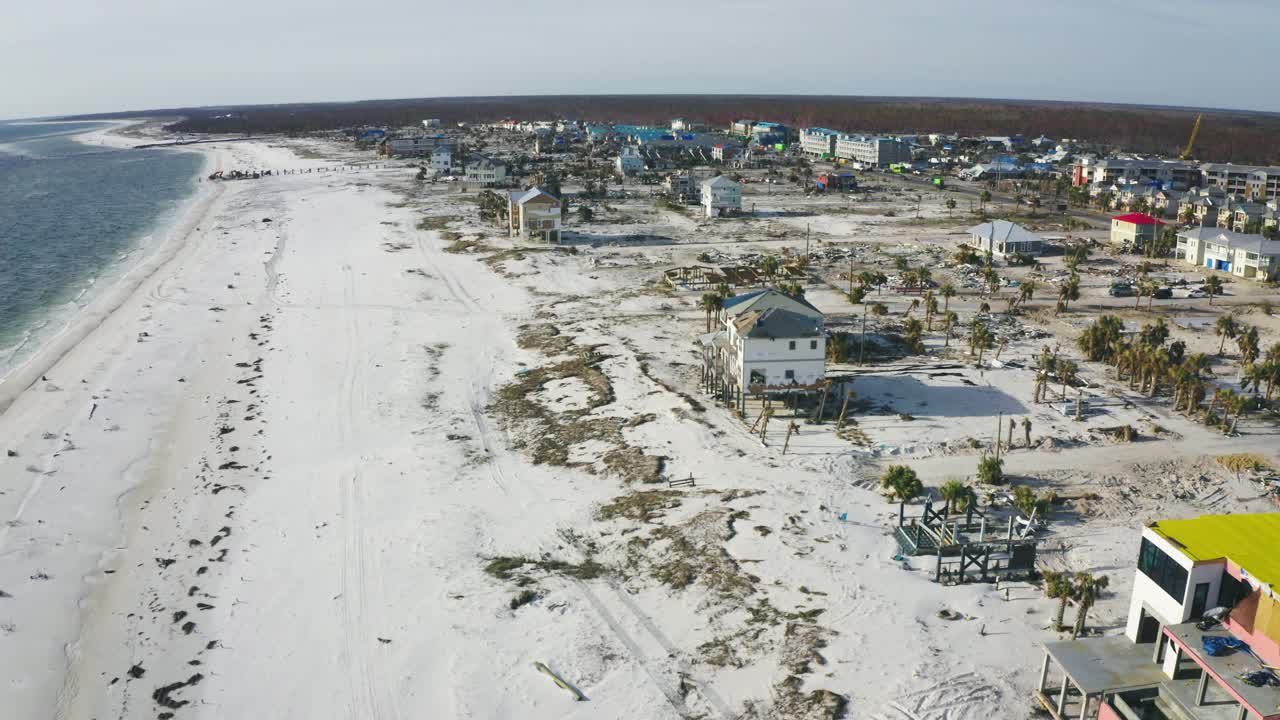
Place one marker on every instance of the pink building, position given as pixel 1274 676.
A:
pixel 1203 637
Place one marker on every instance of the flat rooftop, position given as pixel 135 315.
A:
pixel 1263 702
pixel 1106 663
pixel 1248 540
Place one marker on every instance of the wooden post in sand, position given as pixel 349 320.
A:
pixel 760 417
pixel 999 427
pixel 844 407
pixel 791 428
pixel 764 429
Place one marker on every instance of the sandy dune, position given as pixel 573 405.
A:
pixel 265 480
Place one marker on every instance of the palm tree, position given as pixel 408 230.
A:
pixel 1248 344
pixel 984 197
pixel 951 318
pixel 1143 289
pixel 951 205
pixel 1067 371
pixel 711 304
pixel 1087 588
pixel 914 329
pixel 1069 291
pixel 1057 586
pixel 901 481
pixel 769 266
pixel 1239 404
pixel 956 494
pixel 877 309
pixel 1026 290
pixel 948 291
pixel 1213 286
pixel 1154 334
pixel 930 309
pixel 979 338
pixel 1226 328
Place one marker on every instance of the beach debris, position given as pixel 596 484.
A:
pixel 11 453
pixel 384 641
pixel 576 693
pixel 164 695
pixel 188 627
pixel 4 594
pixel 165 562
pixel 137 671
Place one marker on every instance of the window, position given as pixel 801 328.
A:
pixel 813 344
pixel 1162 570
pixel 1200 600
pixel 791 345
pixel 1232 591
pixel 790 374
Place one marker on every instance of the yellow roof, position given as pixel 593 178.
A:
pixel 1250 541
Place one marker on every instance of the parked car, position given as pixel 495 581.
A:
pixel 1120 290
pixel 1163 293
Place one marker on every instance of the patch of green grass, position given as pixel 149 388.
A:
pixel 504 568
pixel 436 222
pixel 642 506
pixel 524 598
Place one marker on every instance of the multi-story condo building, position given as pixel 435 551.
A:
pixel 1254 182
pixel 818 142
pixel 877 151
pixel 1203 635
pixel 480 170
pixel 1252 257
pixel 1179 175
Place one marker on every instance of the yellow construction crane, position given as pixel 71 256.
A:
pixel 1195 130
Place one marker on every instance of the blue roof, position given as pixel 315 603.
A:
pixel 737 299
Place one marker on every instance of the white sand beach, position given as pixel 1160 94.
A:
pixel 264 476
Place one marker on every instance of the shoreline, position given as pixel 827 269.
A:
pixel 171 231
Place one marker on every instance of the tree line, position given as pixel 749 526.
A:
pixel 1235 136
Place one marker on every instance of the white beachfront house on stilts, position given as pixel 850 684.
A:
pixel 769 341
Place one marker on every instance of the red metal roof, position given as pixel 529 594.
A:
pixel 1138 219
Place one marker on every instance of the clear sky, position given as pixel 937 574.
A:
pixel 82 56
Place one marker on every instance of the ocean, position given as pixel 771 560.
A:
pixel 73 217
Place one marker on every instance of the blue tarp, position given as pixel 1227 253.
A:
pixel 1217 645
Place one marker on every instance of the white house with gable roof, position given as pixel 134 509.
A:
pixel 769 339
pixel 721 196
pixel 534 214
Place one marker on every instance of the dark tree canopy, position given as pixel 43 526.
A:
pixel 1226 135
